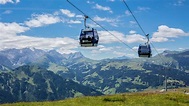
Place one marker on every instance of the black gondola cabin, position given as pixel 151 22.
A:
pixel 144 51
pixel 89 38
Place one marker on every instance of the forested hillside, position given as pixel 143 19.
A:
pixel 53 76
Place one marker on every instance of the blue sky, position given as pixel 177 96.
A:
pixel 55 24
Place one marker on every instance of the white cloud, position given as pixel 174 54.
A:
pixel 79 16
pixel 135 48
pixel 11 41
pixel 132 32
pixel 104 8
pixel 179 3
pixel 111 52
pixel 17 1
pixel 127 12
pixel 111 21
pixel 124 53
pixel 132 23
pixel 67 13
pixel 97 18
pixel 143 8
pixel 111 0
pixel 41 20
pixel 106 37
pixel 160 50
pixel 64 50
pixel 9 1
pixel 101 49
pixel 90 2
pixel 164 33
pixel 181 49
pixel 139 9
pixel 119 54
pixel 93 25
pixel 159 39
pixel 12 28
pixel 11 37
pixel 105 49
pixel 133 38
pixel 74 22
pixel 7 12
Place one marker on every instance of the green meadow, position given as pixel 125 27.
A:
pixel 153 98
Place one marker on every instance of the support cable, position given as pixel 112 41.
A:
pixel 101 26
pixel 134 17
pixel 147 36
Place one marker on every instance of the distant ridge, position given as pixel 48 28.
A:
pixel 13 58
pixel 108 76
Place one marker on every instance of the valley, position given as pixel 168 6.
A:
pixel 49 75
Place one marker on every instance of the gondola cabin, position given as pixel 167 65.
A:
pixel 89 38
pixel 144 51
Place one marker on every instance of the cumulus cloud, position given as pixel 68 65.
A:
pixel 11 41
pixel 74 22
pixel 164 33
pixel 106 37
pixel 159 39
pixel 111 21
pixel 67 13
pixel 97 18
pixel 41 20
pixel 12 28
pixel 104 8
pixel 101 49
pixel 11 37
pixel 133 38
pixel 73 18
pixel 132 32
pixel 9 1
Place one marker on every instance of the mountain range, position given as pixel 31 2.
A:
pixel 37 75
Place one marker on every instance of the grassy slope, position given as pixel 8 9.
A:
pixel 171 98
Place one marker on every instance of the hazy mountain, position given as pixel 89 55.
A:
pixel 13 58
pixel 17 57
pixel 123 57
pixel 3 68
pixel 72 56
pixel 182 60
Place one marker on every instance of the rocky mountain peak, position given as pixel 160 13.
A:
pixel 19 57
pixel 75 55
